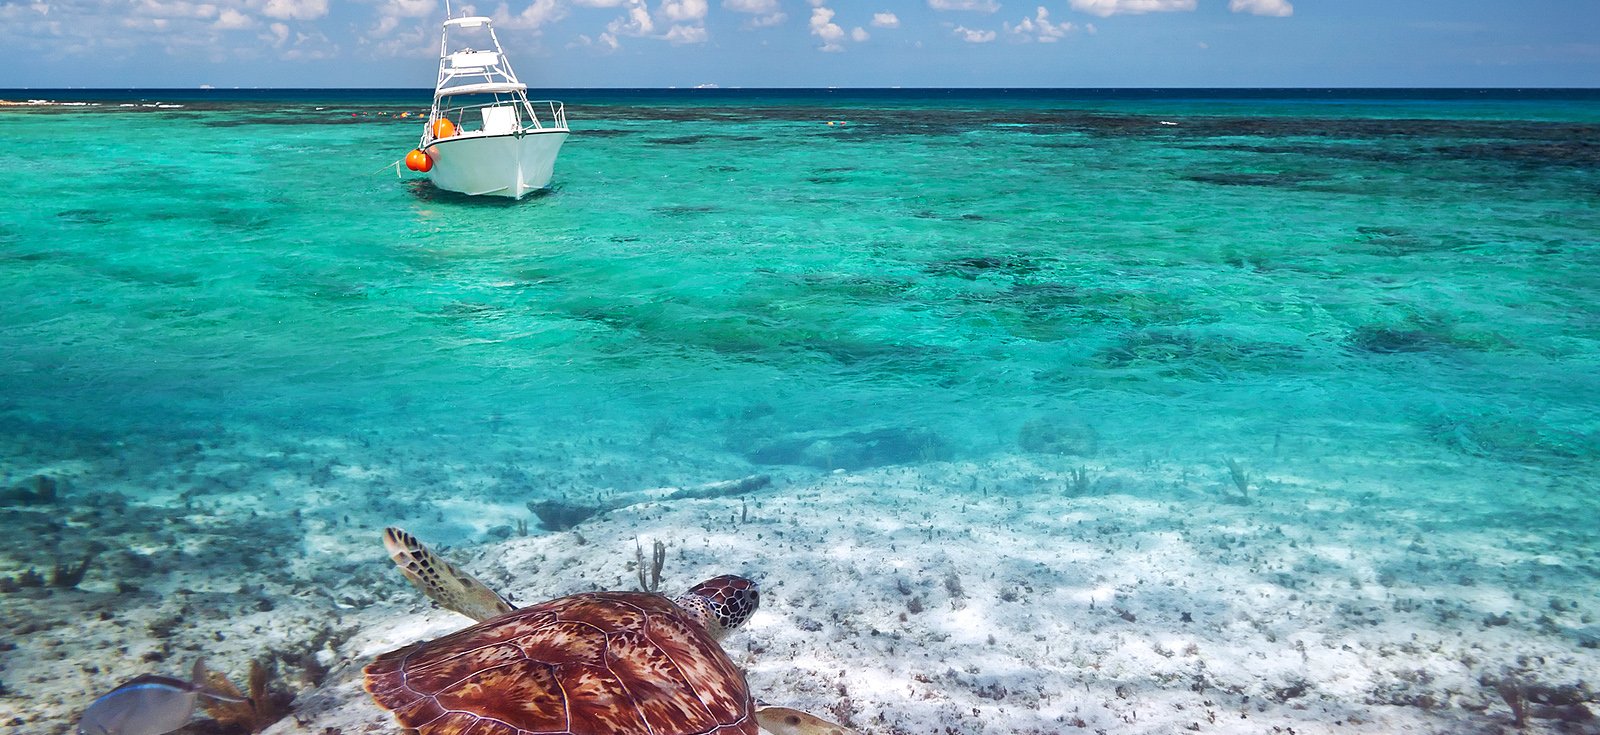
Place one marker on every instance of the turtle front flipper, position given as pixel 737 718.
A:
pixel 785 721
pixel 452 588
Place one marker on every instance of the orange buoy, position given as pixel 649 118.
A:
pixel 418 161
pixel 443 128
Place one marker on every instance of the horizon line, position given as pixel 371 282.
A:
pixel 715 88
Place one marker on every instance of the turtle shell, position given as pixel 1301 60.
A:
pixel 601 663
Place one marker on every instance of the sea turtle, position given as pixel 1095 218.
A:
pixel 594 663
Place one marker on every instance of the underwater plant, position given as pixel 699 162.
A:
pixel 263 707
pixel 1510 690
pixel 658 557
pixel 29 578
pixel 67 576
pixel 1081 483
pixel 36 490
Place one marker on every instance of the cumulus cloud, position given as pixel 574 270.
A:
pixel 1039 28
pixel 982 6
pixel 409 8
pixel 1105 8
pixel 599 4
pixel 174 9
pixel 687 18
pixel 766 12
pixel 974 35
pixel 823 27
pixel 392 12
pixel 295 9
pixel 233 20
pixel 637 22
pixel 684 21
pixel 682 34
pixel 146 24
pixel 1276 8
pixel 537 14
pixel 605 42
pixel 19 12
pixel 885 20
pixel 313 46
pixel 859 34
pixel 678 11
pixel 279 35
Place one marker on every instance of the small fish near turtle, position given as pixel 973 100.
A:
pixel 149 704
pixel 593 663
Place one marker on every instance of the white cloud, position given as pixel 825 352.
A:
pixel 538 13
pixel 606 42
pixel 311 47
pixel 982 6
pixel 885 20
pixel 1039 28
pixel 19 12
pixel 233 20
pixel 175 9
pixel 295 9
pixel 677 11
pixel 636 23
pixel 767 12
pixel 599 4
pixel 390 13
pixel 823 27
pixel 859 34
pixel 973 35
pixel 682 34
pixel 1278 8
pixel 146 24
pixel 280 34
pixel 1104 8
pixel 409 8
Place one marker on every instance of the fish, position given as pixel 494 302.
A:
pixel 149 704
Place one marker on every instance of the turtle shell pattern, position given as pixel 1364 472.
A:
pixel 601 663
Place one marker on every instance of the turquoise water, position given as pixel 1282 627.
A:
pixel 724 281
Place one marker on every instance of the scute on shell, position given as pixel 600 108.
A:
pixel 603 663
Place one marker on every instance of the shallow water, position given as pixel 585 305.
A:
pixel 1306 366
pixel 937 277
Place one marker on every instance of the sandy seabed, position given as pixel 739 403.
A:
pixel 1027 593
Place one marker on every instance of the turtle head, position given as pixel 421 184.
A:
pixel 721 603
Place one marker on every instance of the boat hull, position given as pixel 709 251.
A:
pixel 509 165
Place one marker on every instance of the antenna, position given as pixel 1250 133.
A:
pixel 447 9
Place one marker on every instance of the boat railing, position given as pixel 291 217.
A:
pixel 483 118
pixel 556 113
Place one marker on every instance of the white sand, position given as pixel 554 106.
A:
pixel 1346 596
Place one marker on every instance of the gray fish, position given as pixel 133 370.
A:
pixel 149 704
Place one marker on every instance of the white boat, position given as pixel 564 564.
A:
pixel 484 136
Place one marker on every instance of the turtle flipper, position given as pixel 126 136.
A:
pixel 452 588
pixel 785 721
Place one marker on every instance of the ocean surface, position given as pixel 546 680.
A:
pixel 1319 363
pixel 939 274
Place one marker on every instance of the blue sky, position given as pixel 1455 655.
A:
pixel 812 43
